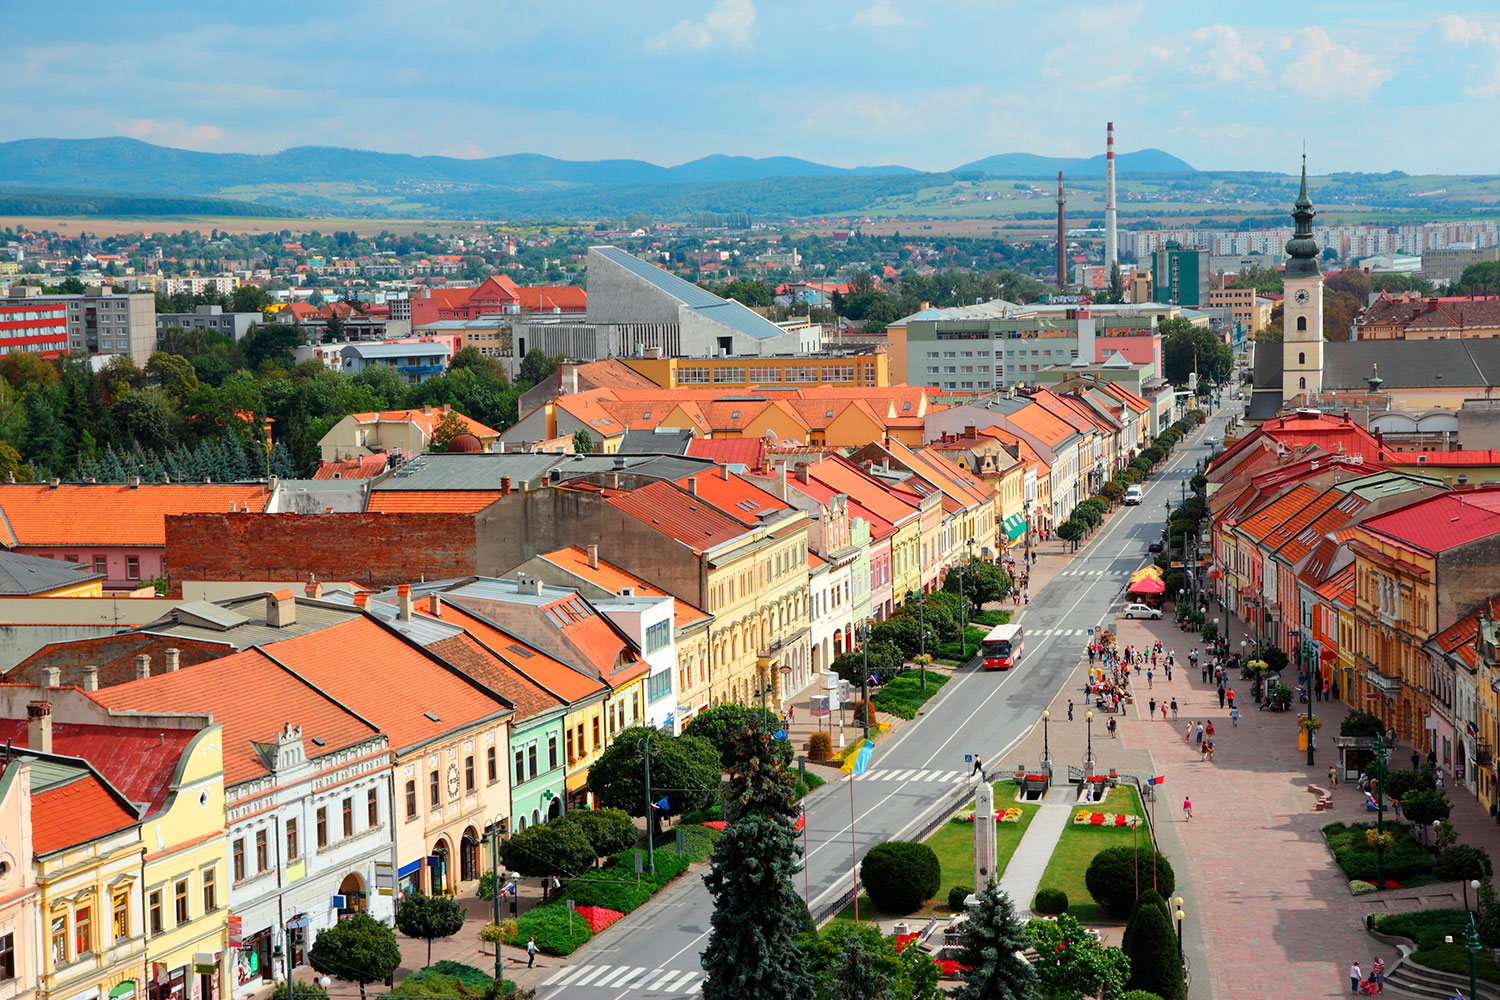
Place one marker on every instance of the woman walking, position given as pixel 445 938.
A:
pixel 1187 808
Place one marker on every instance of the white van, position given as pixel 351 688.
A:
pixel 1133 495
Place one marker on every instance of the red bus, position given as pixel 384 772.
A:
pixel 1002 647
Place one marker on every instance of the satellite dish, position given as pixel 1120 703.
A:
pixel 770 436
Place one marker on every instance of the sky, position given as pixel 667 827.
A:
pixel 929 84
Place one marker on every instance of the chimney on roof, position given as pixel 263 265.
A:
pixel 403 602
pixel 434 605
pixel 173 659
pixel 91 678
pixel 620 462
pixel 526 584
pixel 781 487
pixel 142 666
pixel 135 482
pixel 314 589
pixel 693 485
pixel 281 609
pixel 504 484
pixel 361 599
pixel 801 472
pixel 427 410
pixel 724 472
pixel 39 726
pixel 52 483
pixel 51 677
pixel 593 551
pixel 970 430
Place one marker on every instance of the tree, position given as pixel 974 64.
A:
pixel 1151 945
pixel 361 950
pixel 333 331
pixel 723 724
pixel 618 778
pixel 1184 346
pixel 983 583
pixel 1361 724
pixel 900 875
pixel 248 298
pixel 759 780
pixel 1071 531
pixel 752 945
pixel 1262 279
pixel 448 427
pixel 1114 873
pixel 1116 292
pixel 428 917
pixel 536 367
pixel 46 438
pixel 608 831
pixel 1425 806
pixel 583 442
pixel 747 290
pixel 1071 965
pixel 884 658
pixel 557 849
pixel 991 952
pixel 1482 278
pixel 271 344
pixel 470 357
pixel 24 370
pixel 173 373
pixel 11 465
pixel 857 974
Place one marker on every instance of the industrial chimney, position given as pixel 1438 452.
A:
pixel 1062 236
pixel 1111 246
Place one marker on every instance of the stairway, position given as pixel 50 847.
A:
pixel 1406 978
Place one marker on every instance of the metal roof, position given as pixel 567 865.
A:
pixel 417 349
pixel 21 575
pixel 248 622
pixel 726 312
pixel 420 629
pixel 476 471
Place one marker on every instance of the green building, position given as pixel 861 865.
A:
pixel 1180 276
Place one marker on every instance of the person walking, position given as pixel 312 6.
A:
pixel 1152 714
pixel 530 952
pixel 1377 974
pixel 1333 776
pixel 1187 808
pixel 1208 730
pixel 1187 733
pixel 1198 732
pixel 1354 977
pixel 1148 678
pixel 1221 697
pixel 1111 728
pixel 1234 716
pixel 791 715
pixel 1164 711
pixel 1231 698
pixel 1174 709
pixel 978 766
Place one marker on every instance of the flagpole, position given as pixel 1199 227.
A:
pixel 804 857
pixel 853 851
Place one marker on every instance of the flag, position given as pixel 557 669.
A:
pixel 801 819
pixel 862 759
pixel 662 804
pixel 1161 780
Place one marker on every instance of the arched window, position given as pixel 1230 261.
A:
pixel 1302 383
pixel 1301 357
pixel 1302 322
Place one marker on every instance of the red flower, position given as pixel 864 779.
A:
pixel 1392 884
pixel 1120 819
pixel 902 940
pixel 1096 819
pixel 716 824
pixel 597 917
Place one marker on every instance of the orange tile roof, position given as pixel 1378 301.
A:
pixel 545 298
pixel 575 559
pixel 108 513
pixel 1270 517
pixel 671 511
pixel 736 496
pixel 431 501
pixel 841 475
pixel 252 697
pixel 491 669
pixel 377 674
pixel 138 763
pixel 76 812
pixel 1339 588
pixel 1046 426
pixel 426 419
pixel 551 674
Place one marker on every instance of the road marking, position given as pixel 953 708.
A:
pixel 631 979
pixel 592 975
pixel 556 976
pixel 673 973
pixel 618 979
pixel 681 981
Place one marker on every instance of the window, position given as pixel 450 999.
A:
pixel 434 789
pixel 83 931
pixel 1301 357
pixel 349 817
pixel 210 891
pixel 121 907
pixel 239 860
pixel 411 800
pixel 520 766
pixel 322 826
pixel 635 708
pixel 7 956
pixel 1302 383
pixel 260 851
pixel 596 730
pixel 531 758
pixel 292 847
pixel 571 755
pixel 132 568
pixel 372 808
pixel 469 773
pixel 153 908
pixel 101 565
pixel 1302 322
pixel 179 893
pixel 658 636
pixel 552 750
pixel 60 940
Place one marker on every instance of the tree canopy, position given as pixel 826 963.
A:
pixel 1184 345
pixel 684 762
pixel 360 950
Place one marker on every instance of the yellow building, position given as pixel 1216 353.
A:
pixel 869 369
pixel 37 576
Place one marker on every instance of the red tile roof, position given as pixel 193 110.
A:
pixel 671 511
pixel 492 669
pixel 1274 514
pixel 425 418
pixel 749 452
pixel 1441 522
pixel 550 674
pixel 575 559
pixel 139 763
pixel 75 812
pixel 735 497
pixel 364 467
pixel 74 514
pixel 431 501
pixel 253 697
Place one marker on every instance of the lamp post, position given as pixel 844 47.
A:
pixel 1473 947
pixel 646 752
pixel 1306 672
pixel 494 839
pixel 1471 884
pixel 864 677
pixel 1378 780
pixel 912 595
pixel 1180 914
pixel 1088 765
pixel 1026 511
pixel 1046 747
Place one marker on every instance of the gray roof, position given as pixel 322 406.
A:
pixel 477 471
pixel 245 621
pixel 24 575
pixel 420 629
pixel 726 312
pixel 1264 404
pixel 368 350
pixel 993 309
pixel 657 441
pixel 1407 364
pixel 493 588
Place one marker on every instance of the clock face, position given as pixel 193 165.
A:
pixel 452 779
pixel 1303 297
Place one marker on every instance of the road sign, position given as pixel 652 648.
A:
pixel 1091 631
pixel 862 758
pixel 968 757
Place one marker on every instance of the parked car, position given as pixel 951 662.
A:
pixel 1133 495
pixel 1210 440
pixel 1141 611
pixel 1154 547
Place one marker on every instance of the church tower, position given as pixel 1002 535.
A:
pixel 1302 309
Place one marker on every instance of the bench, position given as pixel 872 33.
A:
pixel 1325 800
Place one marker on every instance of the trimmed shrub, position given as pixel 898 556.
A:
pixel 548 923
pixel 1111 877
pixel 1050 902
pixel 957 895
pixel 608 831
pixel 820 746
pixel 1151 943
pixel 900 875
pixel 1461 862
pixel 1139 995
pixel 1359 887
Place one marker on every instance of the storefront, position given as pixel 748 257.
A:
pixel 168 984
pixel 253 959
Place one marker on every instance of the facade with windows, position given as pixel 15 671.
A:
pixel 648 623
pixel 20 921
pixel 103 322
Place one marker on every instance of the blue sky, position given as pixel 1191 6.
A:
pixel 926 83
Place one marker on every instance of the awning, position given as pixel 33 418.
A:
pixel 1015 526
pixel 1148 585
pixel 125 989
pixel 410 869
pixel 1149 573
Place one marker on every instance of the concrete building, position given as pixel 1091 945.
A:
pixel 365 433
pixel 1444 267
pixel 1180 276
pixel 103 322
pixel 231 324
pixel 414 361
pixel 33 327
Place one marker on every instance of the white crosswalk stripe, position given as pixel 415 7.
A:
pixel 626 977
pixel 617 978
pixel 584 981
pixel 928 777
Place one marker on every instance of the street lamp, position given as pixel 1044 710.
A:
pixel 1473 947
pixel 1180 914
pixel 912 595
pixel 1473 883
pixel 1089 764
pixel 864 677
pixel 1377 778
pixel 494 838
pixel 1046 747
pixel 1306 693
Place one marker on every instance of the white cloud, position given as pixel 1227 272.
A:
pixel 1327 69
pixel 728 22
pixel 1111 19
pixel 1222 54
pixel 172 133
pixel 881 14
pixel 1466 33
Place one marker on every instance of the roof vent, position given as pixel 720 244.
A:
pixel 620 461
pixel 432 716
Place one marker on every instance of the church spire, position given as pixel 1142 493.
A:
pixel 1302 249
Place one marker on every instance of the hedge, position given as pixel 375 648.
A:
pixel 1403 860
pixel 900 875
pixel 1111 878
pixel 548 924
pixel 1050 902
pixel 957 894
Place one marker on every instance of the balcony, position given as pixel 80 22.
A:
pixel 1388 686
pixel 1482 752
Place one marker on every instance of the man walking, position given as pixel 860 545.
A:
pixel 1152 714
pixel 1198 732
pixel 1070 709
pixel 1377 974
pixel 1174 709
pixel 978 766
pixel 1221 697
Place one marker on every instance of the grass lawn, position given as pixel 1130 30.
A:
pixel 1077 847
pixel 1427 928
pixel 953 843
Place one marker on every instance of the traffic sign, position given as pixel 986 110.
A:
pixel 968 757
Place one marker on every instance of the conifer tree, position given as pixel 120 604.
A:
pixel 994 938
pixel 281 462
pixel 1151 944
pixel 111 470
pixel 232 457
pixel 752 946
pixel 856 974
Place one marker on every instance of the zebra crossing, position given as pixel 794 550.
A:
pixel 1061 633
pixel 931 777
pixel 1093 574
pixel 666 982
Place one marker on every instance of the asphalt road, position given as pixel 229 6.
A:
pixel 914 777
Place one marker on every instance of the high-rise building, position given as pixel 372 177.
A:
pixel 102 321
pixel 1180 276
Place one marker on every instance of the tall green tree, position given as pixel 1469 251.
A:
pixel 983 583
pixel 358 950
pixel 752 944
pixel 992 944
pixel 536 367
pixel 687 764
pixel 1116 292
pixel 1185 346
pixel 46 439
pixel 759 780
pixel 1151 944
pixel 1071 965
pixel 857 975
pixel 427 918
pixel 583 442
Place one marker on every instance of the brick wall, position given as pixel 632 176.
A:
pixel 114 655
pixel 376 550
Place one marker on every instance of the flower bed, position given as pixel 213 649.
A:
pixel 902 940
pixel 951 968
pixel 1085 817
pixel 1011 815
pixel 597 917
pixel 716 824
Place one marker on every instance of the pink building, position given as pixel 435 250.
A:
pixel 20 895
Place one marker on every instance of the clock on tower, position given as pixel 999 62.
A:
pixel 1302 310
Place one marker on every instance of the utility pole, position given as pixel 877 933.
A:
pixel 864 682
pixel 495 877
pixel 650 806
